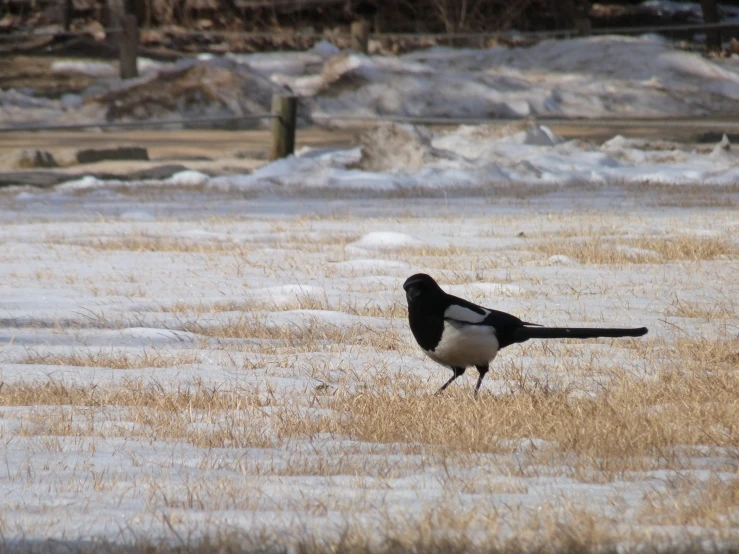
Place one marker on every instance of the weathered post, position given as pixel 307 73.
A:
pixel 710 15
pixel 360 35
pixel 128 45
pixel 583 25
pixel 582 18
pixel 68 7
pixel 574 14
pixel 285 109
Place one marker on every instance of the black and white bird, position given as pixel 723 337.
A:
pixel 458 334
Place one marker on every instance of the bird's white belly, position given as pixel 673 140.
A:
pixel 465 345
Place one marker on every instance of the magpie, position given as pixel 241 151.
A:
pixel 458 334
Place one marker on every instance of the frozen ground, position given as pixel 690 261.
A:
pixel 403 159
pixel 228 358
pixel 643 76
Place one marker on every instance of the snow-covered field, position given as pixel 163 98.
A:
pixel 228 359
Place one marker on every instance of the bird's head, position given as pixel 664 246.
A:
pixel 420 286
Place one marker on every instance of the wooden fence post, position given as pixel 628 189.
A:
pixel 68 7
pixel 583 26
pixel 573 14
pixel 710 15
pixel 360 36
pixel 285 108
pixel 128 44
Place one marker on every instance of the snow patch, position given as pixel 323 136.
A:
pixel 485 289
pixel 137 215
pixel 157 334
pixel 385 240
pixel 561 259
pixel 188 178
pixel 285 294
pixel 365 265
pixel 84 183
pixel 325 49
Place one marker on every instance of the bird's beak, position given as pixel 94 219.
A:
pixel 412 292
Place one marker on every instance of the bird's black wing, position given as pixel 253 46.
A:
pixel 504 324
pixel 510 330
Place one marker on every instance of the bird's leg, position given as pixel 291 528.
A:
pixel 457 372
pixel 483 369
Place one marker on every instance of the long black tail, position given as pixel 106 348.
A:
pixel 525 333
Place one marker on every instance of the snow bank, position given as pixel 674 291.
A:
pixel 590 77
pixel 586 77
pixel 396 157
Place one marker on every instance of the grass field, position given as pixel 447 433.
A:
pixel 179 374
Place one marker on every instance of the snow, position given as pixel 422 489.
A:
pixel 188 178
pixel 380 240
pixel 401 157
pixel 373 264
pixel 61 294
pixel 86 182
pixel 325 49
pixel 587 77
pixel 561 260
pixel 102 69
pixel 645 76
pixel 286 294
pixel 688 11
pixel 486 290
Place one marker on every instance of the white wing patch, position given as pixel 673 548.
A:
pixel 465 345
pixel 465 315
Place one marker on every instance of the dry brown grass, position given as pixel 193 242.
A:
pixel 704 354
pixel 335 401
pixel 370 309
pixel 633 425
pixel 143 241
pixel 568 231
pixel 616 428
pixel 439 530
pixel 151 243
pixel 130 393
pixel 206 417
pixel 693 196
pixel 687 501
pixel 300 302
pixel 429 250
pixel 603 250
pixel 309 335
pixel 114 359
pixel 449 257
pixel 202 429
pixel 203 416
pixel 715 309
